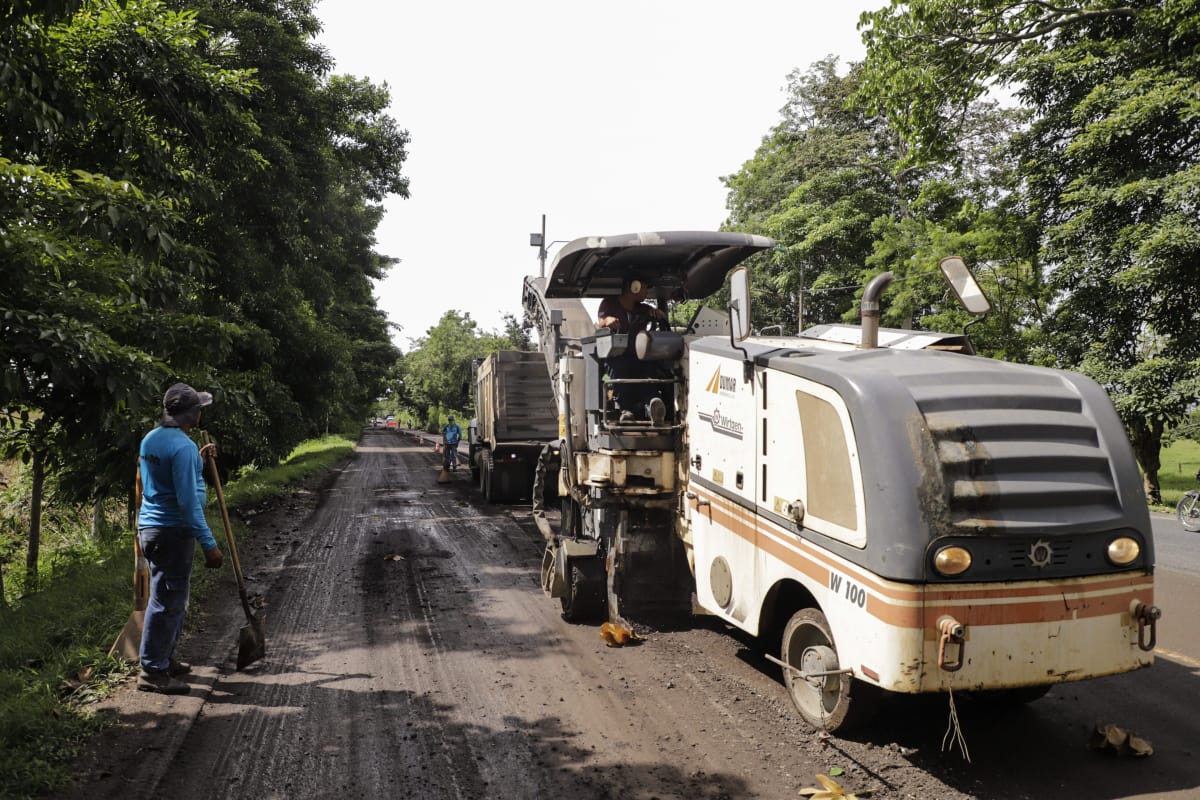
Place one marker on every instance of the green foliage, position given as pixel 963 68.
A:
pixel 435 374
pixel 1107 167
pixel 312 457
pixel 1177 474
pixel 186 193
pixel 41 725
pixel 846 199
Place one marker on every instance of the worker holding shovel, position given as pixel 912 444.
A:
pixel 170 521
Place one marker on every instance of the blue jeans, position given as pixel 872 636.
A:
pixel 451 456
pixel 169 553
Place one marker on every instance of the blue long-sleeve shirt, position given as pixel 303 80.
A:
pixel 173 493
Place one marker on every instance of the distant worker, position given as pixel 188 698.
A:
pixel 170 523
pixel 629 313
pixel 451 436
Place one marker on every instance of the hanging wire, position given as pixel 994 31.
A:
pixel 186 124
pixel 849 286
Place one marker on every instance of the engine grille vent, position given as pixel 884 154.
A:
pixel 1017 450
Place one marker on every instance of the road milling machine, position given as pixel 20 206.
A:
pixel 885 510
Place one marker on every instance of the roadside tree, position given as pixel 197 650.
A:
pixel 1109 162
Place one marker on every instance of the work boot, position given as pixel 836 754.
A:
pixel 658 410
pixel 161 682
pixel 177 668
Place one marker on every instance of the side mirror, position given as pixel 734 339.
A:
pixel 739 304
pixel 965 287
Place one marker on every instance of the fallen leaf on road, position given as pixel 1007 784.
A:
pixel 393 557
pixel 831 790
pixel 616 635
pixel 1112 739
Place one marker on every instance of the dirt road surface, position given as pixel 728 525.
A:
pixel 412 654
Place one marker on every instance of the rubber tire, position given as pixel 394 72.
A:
pixel 586 598
pixel 1188 511
pixel 840 703
pixel 485 476
pixel 491 492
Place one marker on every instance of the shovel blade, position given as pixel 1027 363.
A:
pixel 129 641
pixel 252 641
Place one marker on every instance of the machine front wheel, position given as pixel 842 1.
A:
pixel 833 701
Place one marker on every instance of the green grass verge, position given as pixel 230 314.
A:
pixel 1180 462
pixel 54 644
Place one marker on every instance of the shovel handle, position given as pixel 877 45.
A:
pixel 141 570
pixel 233 553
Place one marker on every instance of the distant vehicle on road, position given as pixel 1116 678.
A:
pixel 391 424
pixel 515 420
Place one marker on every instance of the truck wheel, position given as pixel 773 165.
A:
pixel 835 702
pixel 485 478
pixel 585 598
pixel 498 490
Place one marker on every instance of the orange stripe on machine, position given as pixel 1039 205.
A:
pixel 908 606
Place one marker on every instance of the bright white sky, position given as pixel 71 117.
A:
pixel 608 118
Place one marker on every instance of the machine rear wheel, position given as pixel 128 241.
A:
pixel 585 598
pixel 1188 511
pixel 835 702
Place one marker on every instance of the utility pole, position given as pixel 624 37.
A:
pixel 800 303
pixel 538 240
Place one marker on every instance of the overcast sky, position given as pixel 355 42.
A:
pixel 608 118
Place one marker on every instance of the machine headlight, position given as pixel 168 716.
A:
pixel 1123 550
pixel 952 560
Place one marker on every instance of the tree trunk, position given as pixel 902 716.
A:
pixel 98 520
pixel 35 522
pixel 1147 447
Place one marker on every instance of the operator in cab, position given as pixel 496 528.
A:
pixel 629 313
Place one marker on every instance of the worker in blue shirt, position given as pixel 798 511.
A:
pixel 451 436
pixel 170 522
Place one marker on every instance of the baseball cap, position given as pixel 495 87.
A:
pixel 182 403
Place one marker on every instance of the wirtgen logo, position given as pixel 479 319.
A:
pixel 721 384
pixel 722 424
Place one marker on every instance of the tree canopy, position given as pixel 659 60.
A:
pixel 187 192
pixel 1078 207
pixel 1109 166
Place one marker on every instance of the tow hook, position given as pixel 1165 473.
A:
pixel 1147 617
pixel 952 632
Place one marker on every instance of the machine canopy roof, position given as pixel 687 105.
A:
pixel 697 261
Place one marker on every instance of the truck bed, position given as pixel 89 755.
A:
pixel 516 401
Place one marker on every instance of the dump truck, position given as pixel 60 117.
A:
pixel 884 510
pixel 515 420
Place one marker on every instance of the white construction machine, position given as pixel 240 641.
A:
pixel 889 511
